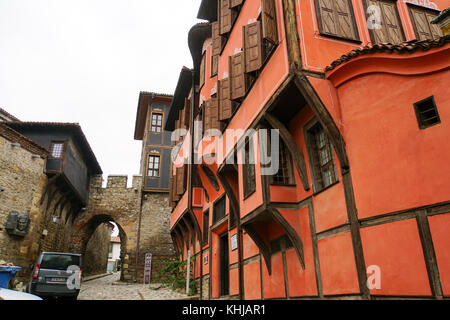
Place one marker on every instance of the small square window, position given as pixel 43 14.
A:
pixel 427 113
pixel 56 150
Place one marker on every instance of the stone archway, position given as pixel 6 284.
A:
pixel 88 235
pixel 142 218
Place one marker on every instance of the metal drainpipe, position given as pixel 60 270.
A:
pixel 140 209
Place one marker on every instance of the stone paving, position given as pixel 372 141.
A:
pixel 110 288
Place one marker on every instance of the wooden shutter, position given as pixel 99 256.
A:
pixel 345 25
pixel 225 16
pixel 269 21
pixel 392 22
pixel 378 35
pixel 207 116
pixel 423 28
pixel 326 16
pixel 235 3
pixel 181 178
pixel 391 27
pixel 176 197
pixel 336 18
pixel 225 103
pixel 212 114
pixel 214 65
pixel 202 70
pixel 214 105
pixel 187 112
pixel 237 76
pixel 436 32
pixel 217 39
pixel 252 46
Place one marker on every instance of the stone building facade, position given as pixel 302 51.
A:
pixel 72 215
pixel 21 183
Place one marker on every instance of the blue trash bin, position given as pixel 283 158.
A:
pixel 7 273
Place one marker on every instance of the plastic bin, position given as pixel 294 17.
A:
pixel 7 273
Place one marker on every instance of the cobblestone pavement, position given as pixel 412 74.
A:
pixel 110 288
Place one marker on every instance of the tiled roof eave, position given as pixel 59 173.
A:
pixel 401 48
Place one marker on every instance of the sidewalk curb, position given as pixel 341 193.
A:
pixel 97 276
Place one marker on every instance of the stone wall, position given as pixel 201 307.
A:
pixel 129 208
pixel 155 232
pixel 95 258
pixel 27 189
pixel 22 180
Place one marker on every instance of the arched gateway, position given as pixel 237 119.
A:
pixel 142 220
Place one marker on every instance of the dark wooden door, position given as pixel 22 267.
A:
pixel 224 266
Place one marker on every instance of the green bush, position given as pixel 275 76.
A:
pixel 173 274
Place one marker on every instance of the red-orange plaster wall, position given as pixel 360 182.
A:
pixel 394 164
pixel 396 249
pixel 337 265
pixel 439 227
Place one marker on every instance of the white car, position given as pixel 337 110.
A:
pixel 6 294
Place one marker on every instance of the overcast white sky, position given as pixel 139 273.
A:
pixel 86 61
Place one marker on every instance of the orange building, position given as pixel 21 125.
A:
pixel 358 91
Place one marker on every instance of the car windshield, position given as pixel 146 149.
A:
pixel 59 261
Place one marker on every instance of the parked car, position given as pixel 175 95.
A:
pixel 57 275
pixel 6 294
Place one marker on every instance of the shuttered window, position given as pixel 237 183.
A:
pixel 269 21
pixel 226 106
pixel 181 179
pixel 248 170
pixel 186 112
pixel 214 65
pixel 202 70
pixel 421 20
pixel 260 38
pixel 218 40
pixel 226 16
pixel 238 83
pixel 336 18
pixel 253 46
pixel 172 193
pixel 383 21
pixel 211 117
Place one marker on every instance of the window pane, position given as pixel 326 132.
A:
pixel 321 139
pixel 327 180
pixel 57 150
pixel 324 157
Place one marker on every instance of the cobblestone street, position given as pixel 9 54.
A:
pixel 110 288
